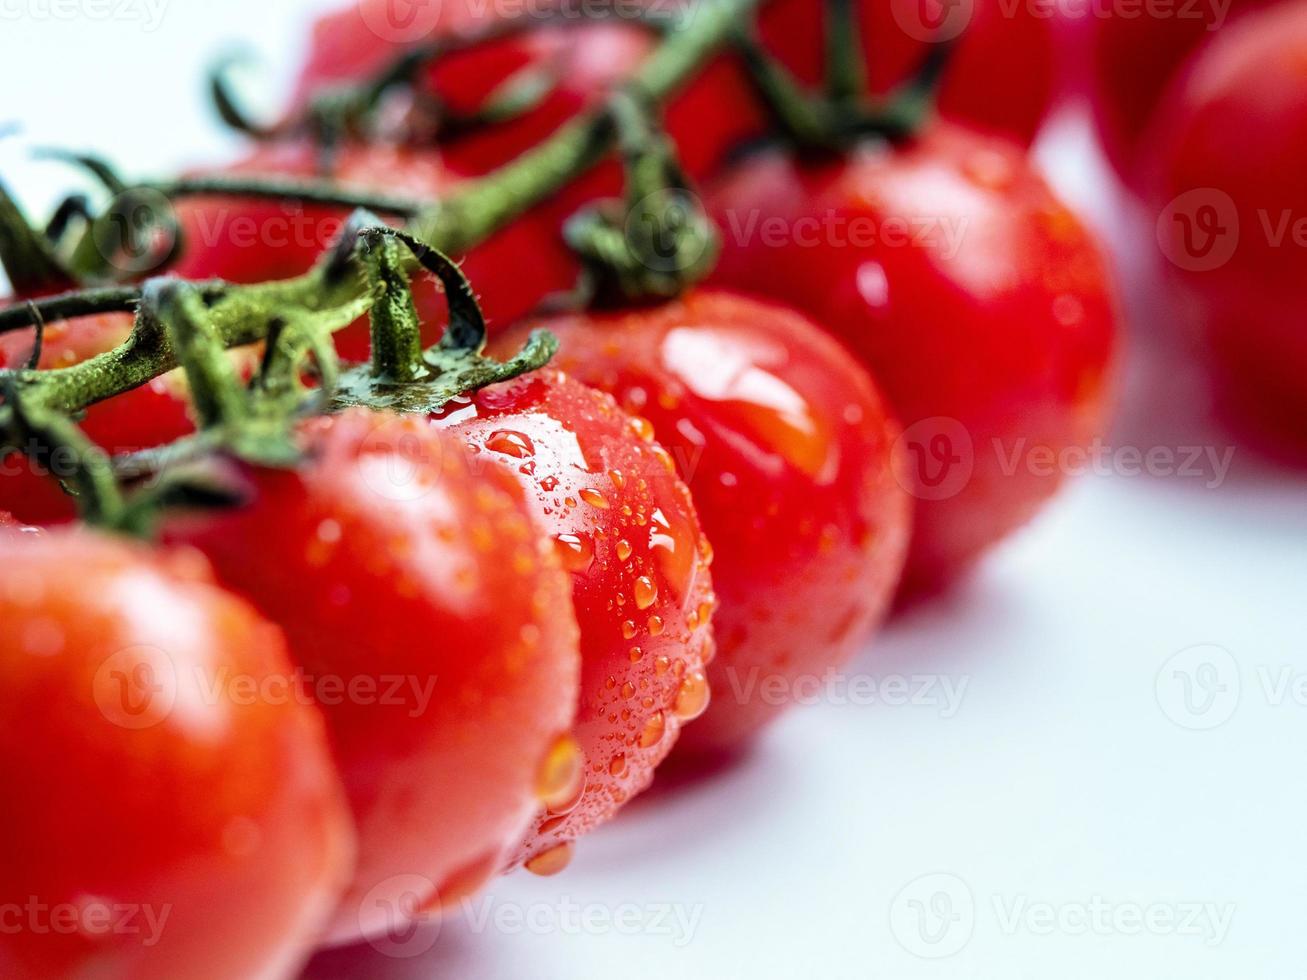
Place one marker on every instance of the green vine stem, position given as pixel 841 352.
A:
pixel 242 315
pixel 846 69
pixel 346 108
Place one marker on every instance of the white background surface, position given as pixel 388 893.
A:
pixel 1069 800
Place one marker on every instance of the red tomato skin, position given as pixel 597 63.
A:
pixel 218 817
pixel 385 558
pixel 1133 62
pixel 1231 142
pixel 786 447
pixel 626 528
pixel 248 241
pixel 980 304
pixel 155 413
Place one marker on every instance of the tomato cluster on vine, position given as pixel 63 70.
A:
pixel 408 616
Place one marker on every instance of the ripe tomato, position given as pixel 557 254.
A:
pixel 979 302
pixel 170 824
pixel 148 416
pixel 434 628
pixel 785 444
pixel 1133 61
pixel 609 498
pixel 1227 181
pixel 244 240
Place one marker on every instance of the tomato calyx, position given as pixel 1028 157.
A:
pixel 657 241
pixel 402 376
pixel 844 114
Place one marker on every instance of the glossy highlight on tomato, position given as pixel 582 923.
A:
pixel 148 416
pixel 786 447
pixel 435 628
pixel 1226 184
pixel 160 823
pixel 981 305
pixel 608 498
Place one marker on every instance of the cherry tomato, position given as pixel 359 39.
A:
pixel 433 625
pixel 1133 61
pixel 153 414
pixel 162 821
pixel 244 240
pixel 624 525
pixel 1227 184
pixel 785 444
pixel 980 303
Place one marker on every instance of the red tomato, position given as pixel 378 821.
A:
pixel 1227 181
pixel 434 628
pixel 623 523
pixel 246 241
pixel 979 302
pixel 785 444
pixel 161 822
pixel 148 416
pixel 1135 58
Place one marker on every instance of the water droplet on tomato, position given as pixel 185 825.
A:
pixel 645 592
pixel 653 730
pixel 693 695
pixel 552 861
pixel 510 443
pixel 575 551
pixel 562 774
